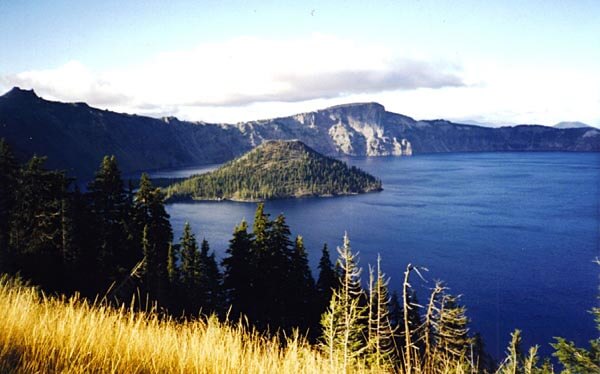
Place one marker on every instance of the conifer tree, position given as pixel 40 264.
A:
pixel 450 328
pixel 261 228
pixel 301 289
pixel 262 285
pixel 9 174
pixel 238 270
pixel 517 363
pixel 172 267
pixel 272 308
pixel 109 206
pixel 580 360
pixel 326 281
pixel 190 269
pixel 343 324
pixel 35 232
pixel 210 287
pixel 380 344
pixel 150 212
pixel 149 259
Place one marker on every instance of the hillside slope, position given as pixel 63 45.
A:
pixel 76 136
pixel 276 169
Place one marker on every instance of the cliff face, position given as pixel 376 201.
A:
pixel 75 137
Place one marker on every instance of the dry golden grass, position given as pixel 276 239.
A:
pixel 41 334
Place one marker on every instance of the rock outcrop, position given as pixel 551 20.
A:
pixel 76 136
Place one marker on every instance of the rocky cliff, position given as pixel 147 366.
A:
pixel 75 136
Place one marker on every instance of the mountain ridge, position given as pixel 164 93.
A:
pixel 75 136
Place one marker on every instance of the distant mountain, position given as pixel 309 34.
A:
pixel 571 125
pixel 76 136
pixel 276 169
pixel 478 123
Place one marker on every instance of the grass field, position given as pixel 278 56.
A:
pixel 41 334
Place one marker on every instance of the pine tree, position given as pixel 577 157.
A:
pixel 110 209
pixel 150 212
pixel 172 267
pixel 261 228
pixel 190 270
pixel 380 342
pixel 327 280
pixel 343 324
pixel 238 271
pixel 450 328
pixel 301 289
pixel 35 225
pixel 210 287
pixel 149 259
pixel 272 287
pixel 579 360
pixel 263 305
pixel 9 175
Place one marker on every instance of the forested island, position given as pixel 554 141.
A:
pixel 274 170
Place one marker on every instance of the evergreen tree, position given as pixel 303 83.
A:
pixel 343 323
pixel 172 266
pixel 110 209
pixel 261 228
pixel 579 360
pixel 9 175
pixel 149 259
pixel 190 270
pixel 271 288
pixel 150 212
pixel 210 287
pixel 35 228
pixel 517 363
pixel 84 256
pixel 450 328
pixel 381 353
pixel 301 289
pixel 238 271
pixel 327 280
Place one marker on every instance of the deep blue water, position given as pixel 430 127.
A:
pixel 514 233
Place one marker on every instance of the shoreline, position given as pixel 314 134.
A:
pixel 232 199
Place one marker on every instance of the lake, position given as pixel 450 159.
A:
pixel 514 233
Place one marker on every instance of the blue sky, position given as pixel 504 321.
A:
pixel 500 62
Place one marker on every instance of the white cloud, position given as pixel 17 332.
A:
pixel 240 72
pixel 73 82
pixel 249 78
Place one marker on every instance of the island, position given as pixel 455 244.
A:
pixel 273 170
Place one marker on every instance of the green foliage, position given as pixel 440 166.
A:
pixel 327 279
pixel 189 250
pixel 579 360
pixel 238 270
pixel 109 206
pixel 150 213
pixel 343 324
pixel 210 281
pixel 301 290
pixel 9 176
pixel 276 169
pixel 381 349
pixel 172 267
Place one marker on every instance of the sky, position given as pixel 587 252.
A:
pixel 492 62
